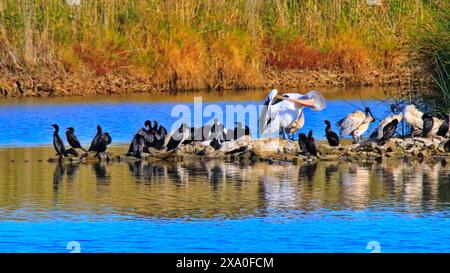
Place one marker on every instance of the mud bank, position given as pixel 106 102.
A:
pixel 275 150
pixel 51 84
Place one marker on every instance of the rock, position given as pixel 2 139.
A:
pixel 187 149
pixel 330 157
pixel 325 149
pixel 366 145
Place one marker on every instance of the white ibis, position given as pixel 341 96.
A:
pixel 421 124
pixel 356 124
pixel 284 113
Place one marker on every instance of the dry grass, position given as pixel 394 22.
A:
pixel 203 43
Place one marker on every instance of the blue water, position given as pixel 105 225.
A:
pixel 323 231
pixel 206 206
pixel 29 124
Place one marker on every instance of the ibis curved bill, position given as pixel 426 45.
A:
pixel 355 124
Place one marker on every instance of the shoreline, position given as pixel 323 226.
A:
pixel 45 84
pixel 278 151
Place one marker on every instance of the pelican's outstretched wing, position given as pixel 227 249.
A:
pixel 318 99
pixel 350 123
pixel 264 118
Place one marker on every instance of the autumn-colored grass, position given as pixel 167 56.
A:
pixel 183 44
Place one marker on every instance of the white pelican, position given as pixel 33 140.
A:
pixel 355 124
pixel 284 113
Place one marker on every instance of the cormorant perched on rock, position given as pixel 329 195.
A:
pixel 310 144
pixel 95 141
pixel 443 129
pixel 332 137
pixel 302 140
pixel 178 137
pixel 389 131
pixel 73 140
pixel 140 141
pixel 155 126
pixel 240 131
pixel 58 144
pixel 160 137
pixel 377 134
pixel 428 123
pixel 103 142
pixel 216 144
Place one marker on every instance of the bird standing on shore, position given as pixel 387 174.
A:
pixel 58 144
pixel 96 139
pixel 240 131
pixel 281 112
pixel 178 137
pixel 356 124
pixel 141 140
pixel 444 128
pixel 73 140
pixel 310 144
pixel 389 131
pixel 302 142
pixel 102 144
pixel 428 123
pixel 413 118
pixel 379 131
pixel 332 137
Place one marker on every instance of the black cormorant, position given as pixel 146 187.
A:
pixel 137 146
pixel 95 141
pixel 332 137
pixel 73 140
pixel 216 144
pixel 240 131
pixel 389 131
pixel 310 144
pixel 103 142
pixel 178 137
pixel 443 129
pixel 302 142
pixel 428 123
pixel 58 144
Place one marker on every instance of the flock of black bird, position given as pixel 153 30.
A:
pixel 151 137
pixel 98 145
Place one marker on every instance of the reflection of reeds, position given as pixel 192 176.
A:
pixel 202 43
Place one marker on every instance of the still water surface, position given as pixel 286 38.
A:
pixel 205 206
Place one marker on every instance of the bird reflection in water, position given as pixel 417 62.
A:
pixel 72 170
pixel 308 171
pixel 58 175
pixel 147 172
pixel 102 176
pixel 330 171
pixel 261 186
